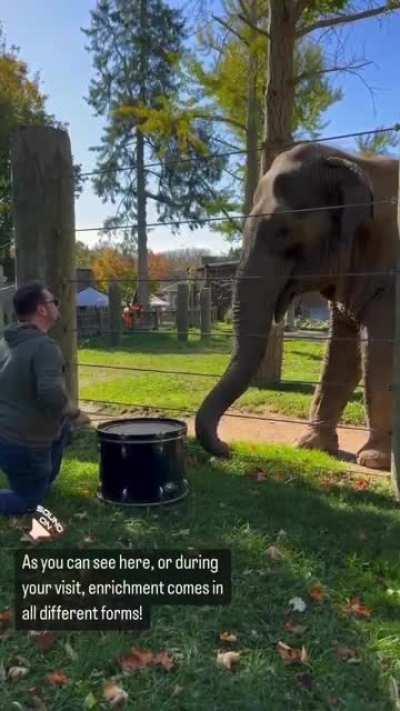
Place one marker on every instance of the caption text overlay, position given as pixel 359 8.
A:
pixel 109 589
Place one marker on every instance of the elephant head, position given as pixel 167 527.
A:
pixel 309 211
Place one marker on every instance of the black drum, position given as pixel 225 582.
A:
pixel 142 461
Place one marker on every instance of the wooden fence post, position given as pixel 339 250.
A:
pixel 182 312
pixel 205 313
pixel 396 373
pixel 115 307
pixel 43 202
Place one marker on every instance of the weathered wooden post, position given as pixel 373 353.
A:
pixel 2 281
pixel 43 200
pixel 205 313
pixel 396 372
pixel 182 311
pixel 115 307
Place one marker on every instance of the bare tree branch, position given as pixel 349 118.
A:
pixel 254 27
pixel 346 19
pixel 329 70
pixel 230 29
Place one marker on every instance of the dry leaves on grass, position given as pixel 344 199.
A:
pixel 318 593
pixel 15 673
pixel 115 695
pixel 347 654
pixel 357 608
pixel 294 628
pixel 228 637
pixel 57 678
pixel 258 476
pixel 89 539
pixel 144 658
pixel 43 640
pixel 361 485
pixel 292 655
pixel 6 618
pixel 228 660
pixel 297 604
pixel 274 553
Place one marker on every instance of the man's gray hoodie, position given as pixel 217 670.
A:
pixel 33 398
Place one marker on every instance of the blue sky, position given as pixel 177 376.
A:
pixel 48 34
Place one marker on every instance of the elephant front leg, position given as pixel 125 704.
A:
pixel 378 373
pixel 341 373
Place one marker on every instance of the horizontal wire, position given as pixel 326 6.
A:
pixel 197 374
pixel 233 279
pixel 311 339
pixel 226 414
pixel 242 151
pixel 206 220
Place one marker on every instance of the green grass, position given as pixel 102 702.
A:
pixel 302 361
pixel 345 539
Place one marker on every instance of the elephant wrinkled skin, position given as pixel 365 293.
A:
pixel 322 221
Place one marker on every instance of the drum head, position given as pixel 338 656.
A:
pixel 142 428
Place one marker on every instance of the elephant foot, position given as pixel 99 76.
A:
pixel 374 456
pixel 323 439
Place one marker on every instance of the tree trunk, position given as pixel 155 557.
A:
pixel 279 106
pixel 43 200
pixel 143 269
pixel 252 156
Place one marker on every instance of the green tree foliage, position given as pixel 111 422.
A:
pixel 378 143
pixel 137 87
pixel 21 103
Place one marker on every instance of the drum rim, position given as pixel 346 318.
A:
pixel 146 504
pixel 103 429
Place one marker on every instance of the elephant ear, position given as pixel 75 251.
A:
pixel 350 193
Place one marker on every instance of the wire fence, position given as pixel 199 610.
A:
pixel 388 201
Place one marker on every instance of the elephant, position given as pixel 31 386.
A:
pixel 322 220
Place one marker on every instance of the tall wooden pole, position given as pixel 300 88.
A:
pixel 396 372
pixel 43 201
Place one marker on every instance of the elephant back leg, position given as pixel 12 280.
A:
pixel 378 322
pixel 341 373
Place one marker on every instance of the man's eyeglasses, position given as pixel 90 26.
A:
pixel 56 302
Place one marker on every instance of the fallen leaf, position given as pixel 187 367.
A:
pixel 318 593
pixel 346 654
pixel 228 660
pixel 228 637
pixel 274 553
pixel 177 690
pixel 333 700
pixel 361 485
pixel 164 660
pixel 70 651
pixel 36 700
pixel 15 673
pixel 362 536
pixel 5 619
pixel 115 695
pixel 306 681
pixel 43 640
pixel 257 476
pixel 57 678
pixel 297 604
pixel 138 659
pixel 294 628
pixel 81 515
pixel 3 673
pixel 89 701
pixel 292 655
pixel 358 609
pixel 89 539
pixel 143 658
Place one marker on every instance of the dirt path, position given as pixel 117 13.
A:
pixel 235 429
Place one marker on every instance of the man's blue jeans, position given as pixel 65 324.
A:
pixel 30 472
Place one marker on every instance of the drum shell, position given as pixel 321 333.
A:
pixel 142 470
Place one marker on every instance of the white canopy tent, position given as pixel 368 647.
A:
pixel 93 298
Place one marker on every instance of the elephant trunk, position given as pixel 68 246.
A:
pixel 255 300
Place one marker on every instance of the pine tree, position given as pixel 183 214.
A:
pixel 137 48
